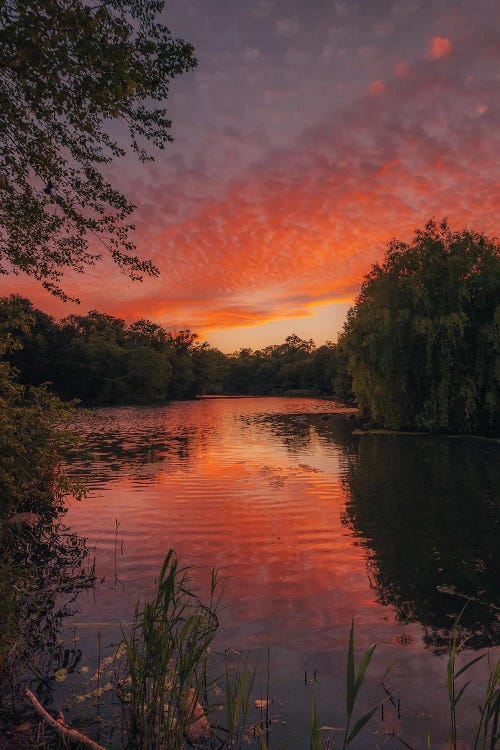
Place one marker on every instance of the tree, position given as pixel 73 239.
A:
pixel 36 340
pixel 32 438
pixel 423 339
pixel 210 366
pixel 147 376
pixel 71 75
pixel 146 333
pixel 40 566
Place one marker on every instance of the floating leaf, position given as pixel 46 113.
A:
pixel 263 703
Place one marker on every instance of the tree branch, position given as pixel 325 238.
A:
pixel 67 733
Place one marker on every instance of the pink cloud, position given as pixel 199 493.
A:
pixel 402 69
pixel 438 47
pixel 303 225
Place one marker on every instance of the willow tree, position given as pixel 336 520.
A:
pixel 74 76
pixel 423 339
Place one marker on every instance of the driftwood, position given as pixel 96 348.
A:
pixel 197 731
pixel 67 733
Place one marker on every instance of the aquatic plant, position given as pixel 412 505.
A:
pixel 166 653
pixel 169 696
pixel 487 731
pixel 486 736
pixel 354 683
pixel 165 683
pixel 238 685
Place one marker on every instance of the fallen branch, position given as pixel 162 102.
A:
pixel 67 733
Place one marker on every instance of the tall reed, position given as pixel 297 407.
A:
pixel 353 686
pixel 164 679
pixel 166 650
pixel 487 733
pixel 455 693
pixel 238 689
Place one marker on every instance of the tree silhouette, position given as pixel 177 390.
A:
pixel 72 74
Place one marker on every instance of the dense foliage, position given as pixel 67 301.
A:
pixel 99 359
pixel 39 560
pixel 293 368
pixel 32 440
pixel 423 339
pixel 73 75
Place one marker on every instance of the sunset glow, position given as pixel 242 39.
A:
pixel 305 140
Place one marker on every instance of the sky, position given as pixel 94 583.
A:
pixel 310 134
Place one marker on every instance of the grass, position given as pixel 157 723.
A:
pixel 166 652
pixel 238 693
pixel 166 675
pixel 163 673
pixel 486 735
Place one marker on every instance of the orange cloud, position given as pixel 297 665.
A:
pixel 303 225
pixel 438 47
pixel 377 88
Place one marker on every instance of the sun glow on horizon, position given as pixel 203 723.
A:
pixel 262 217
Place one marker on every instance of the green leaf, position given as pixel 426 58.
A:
pixel 468 665
pixel 351 684
pixel 360 724
pixel 365 661
pixel 461 692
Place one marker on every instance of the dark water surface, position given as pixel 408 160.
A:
pixel 308 525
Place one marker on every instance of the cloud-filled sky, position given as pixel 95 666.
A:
pixel 309 135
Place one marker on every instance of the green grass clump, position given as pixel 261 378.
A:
pixel 166 651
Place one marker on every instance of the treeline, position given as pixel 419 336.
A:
pixel 420 348
pixel 293 368
pixel 101 360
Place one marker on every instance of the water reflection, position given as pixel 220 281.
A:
pixel 427 511
pixel 140 443
pixel 254 485
pixel 42 572
pixel 308 524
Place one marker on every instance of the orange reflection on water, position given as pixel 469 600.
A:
pixel 258 488
pixel 260 501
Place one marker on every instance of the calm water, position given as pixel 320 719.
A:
pixel 308 525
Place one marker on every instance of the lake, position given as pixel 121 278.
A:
pixel 309 525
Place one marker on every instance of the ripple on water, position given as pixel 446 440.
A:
pixel 307 523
